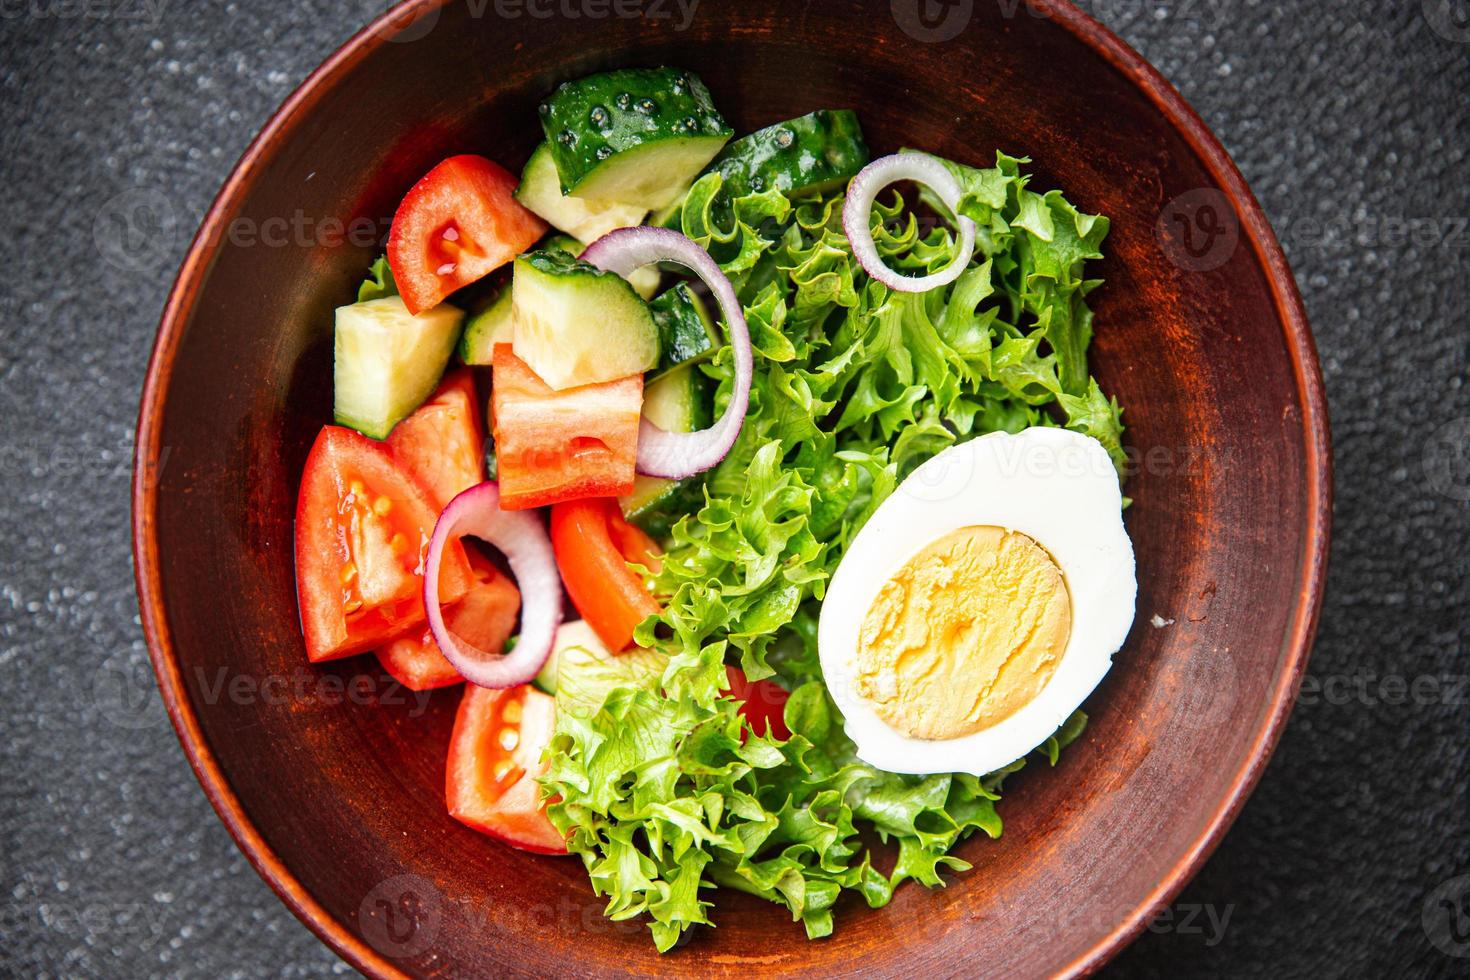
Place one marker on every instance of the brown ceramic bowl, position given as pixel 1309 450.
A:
pixel 1201 336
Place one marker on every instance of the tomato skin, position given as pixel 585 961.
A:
pixel 442 444
pixel 338 528
pixel 484 616
pixel 458 224
pixel 492 789
pixel 610 596
pixel 554 445
pixel 764 703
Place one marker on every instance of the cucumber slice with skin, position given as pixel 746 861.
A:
pixel 387 361
pixel 495 324
pixel 817 152
pixel 583 219
pixel 645 281
pixel 685 328
pixel 491 326
pixel 633 136
pixel 576 324
pixel 676 402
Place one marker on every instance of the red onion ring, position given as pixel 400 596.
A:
pixel 524 542
pixel 675 455
pixel 857 221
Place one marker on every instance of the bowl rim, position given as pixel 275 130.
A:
pixel 198 259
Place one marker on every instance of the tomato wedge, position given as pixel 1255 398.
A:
pixel 561 445
pixel 458 224
pixel 362 528
pixel 442 444
pixel 763 703
pixel 494 760
pixel 593 548
pixel 485 616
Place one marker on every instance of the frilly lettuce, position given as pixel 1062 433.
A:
pixel 661 789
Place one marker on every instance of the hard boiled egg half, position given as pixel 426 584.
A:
pixel 980 604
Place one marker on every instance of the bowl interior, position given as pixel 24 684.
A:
pixel 334 776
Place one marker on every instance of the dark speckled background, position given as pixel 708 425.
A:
pixel 1350 119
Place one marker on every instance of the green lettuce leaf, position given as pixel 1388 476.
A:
pixel 663 790
pixel 379 282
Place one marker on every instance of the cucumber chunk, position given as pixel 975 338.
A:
pixel 817 152
pixel 577 325
pixel 685 328
pixel 671 214
pixel 675 402
pixel 491 326
pixel 583 219
pixel 387 361
pixel 645 281
pixel 634 136
pixel 678 401
pixel 566 243
pixel 656 504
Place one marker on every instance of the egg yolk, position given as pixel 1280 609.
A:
pixel 964 635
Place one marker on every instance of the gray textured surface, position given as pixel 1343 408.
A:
pixel 113 864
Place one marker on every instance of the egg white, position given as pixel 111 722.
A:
pixel 1058 487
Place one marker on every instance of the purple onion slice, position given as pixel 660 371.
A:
pixel 675 455
pixel 857 219
pixel 521 537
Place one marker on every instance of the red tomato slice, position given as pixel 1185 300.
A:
pixel 494 761
pixel 593 547
pixel 362 529
pixel 485 616
pixel 456 225
pixel 764 703
pixel 442 444
pixel 561 445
